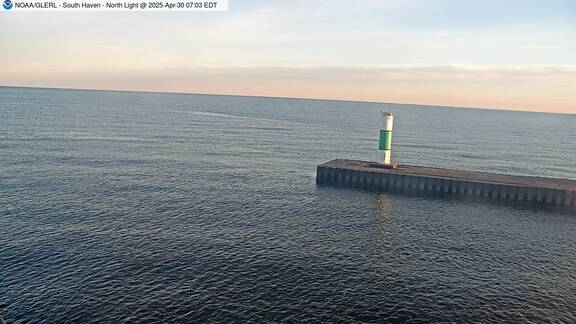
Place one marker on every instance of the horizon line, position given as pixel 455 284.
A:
pixel 292 98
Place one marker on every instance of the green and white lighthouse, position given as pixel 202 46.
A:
pixel 385 145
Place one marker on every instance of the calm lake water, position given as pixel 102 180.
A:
pixel 148 207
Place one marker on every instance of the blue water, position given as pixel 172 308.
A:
pixel 159 208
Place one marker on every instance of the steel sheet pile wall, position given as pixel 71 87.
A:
pixel 401 181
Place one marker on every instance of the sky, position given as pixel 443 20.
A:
pixel 505 54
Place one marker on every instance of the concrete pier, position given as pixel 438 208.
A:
pixel 444 182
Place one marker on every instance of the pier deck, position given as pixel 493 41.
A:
pixel 446 182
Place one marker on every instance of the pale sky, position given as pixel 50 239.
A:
pixel 507 54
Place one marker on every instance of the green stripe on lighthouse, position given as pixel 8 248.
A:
pixel 385 140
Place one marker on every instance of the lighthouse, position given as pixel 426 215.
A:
pixel 385 144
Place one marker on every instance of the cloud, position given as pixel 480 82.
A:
pixel 421 51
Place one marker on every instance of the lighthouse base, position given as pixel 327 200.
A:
pixel 392 165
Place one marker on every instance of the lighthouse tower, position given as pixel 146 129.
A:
pixel 385 145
